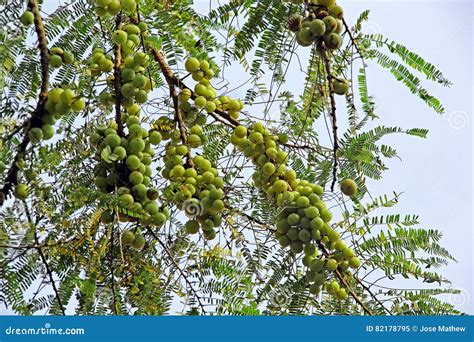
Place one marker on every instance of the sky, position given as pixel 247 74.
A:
pixel 435 175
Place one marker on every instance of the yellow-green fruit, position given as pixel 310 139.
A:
pixel 120 152
pixel 354 262
pixel 304 37
pixel 330 23
pixel 48 131
pixel 55 61
pixel 114 7
pixel 194 141
pixel 119 37
pixel 78 105
pixel 127 238
pixel 107 217
pixel 341 87
pixel 192 64
pixel 35 134
pixel 138 242
pixel 129 6
pixel 336 11
pixel 349 187
pixel 27 18
pixel 192 227
pixel 136 177
pixel 21 191
pixel 68 57
pixel 333 41
pixel 317 27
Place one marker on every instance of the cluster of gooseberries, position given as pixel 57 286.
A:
pixel 104 8
pixel 133 239
pixel 323 24
pixel 58 57
pixel 125 169
pixel 303 218
pixel 100 62
pixel 205 94
pixel 59 102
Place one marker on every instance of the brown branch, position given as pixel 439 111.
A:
pixel 353 41
pixel 118 80
pixel 35 119
pixel 327 63
pixel 172 80
pixel 172 83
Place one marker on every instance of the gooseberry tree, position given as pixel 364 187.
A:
pixel 137 179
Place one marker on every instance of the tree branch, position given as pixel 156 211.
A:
pixel 35 119
pixel 327 64
pixel 118 80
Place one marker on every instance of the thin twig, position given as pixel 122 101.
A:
pixel 44 260
pixel 175 263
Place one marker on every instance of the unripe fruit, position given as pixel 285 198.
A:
pixel 340 87
pixel 317 27
pixel 354 262
pixel 133 162
pixel 194 141
pixel 136 177
pixel 35 134
pixel 119 37
pixel 268 169
pixel 68 57
pixel 21 191
pixel 333 41
pixel 120 152
pixel 138 242
pixel 126 200
pixel 192 227
pixel 127 238
pixel 331 264
pixel 78 105
pixel 112 140
pixel 336 11
pixel 55 61
pixel 349 187
pixel 330 23
pixel 129 6
pixel 27 18
pixel 154 138
pixel 304 37
pixel 136 145
pixel 192 64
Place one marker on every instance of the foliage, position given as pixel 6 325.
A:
pixel 57 254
